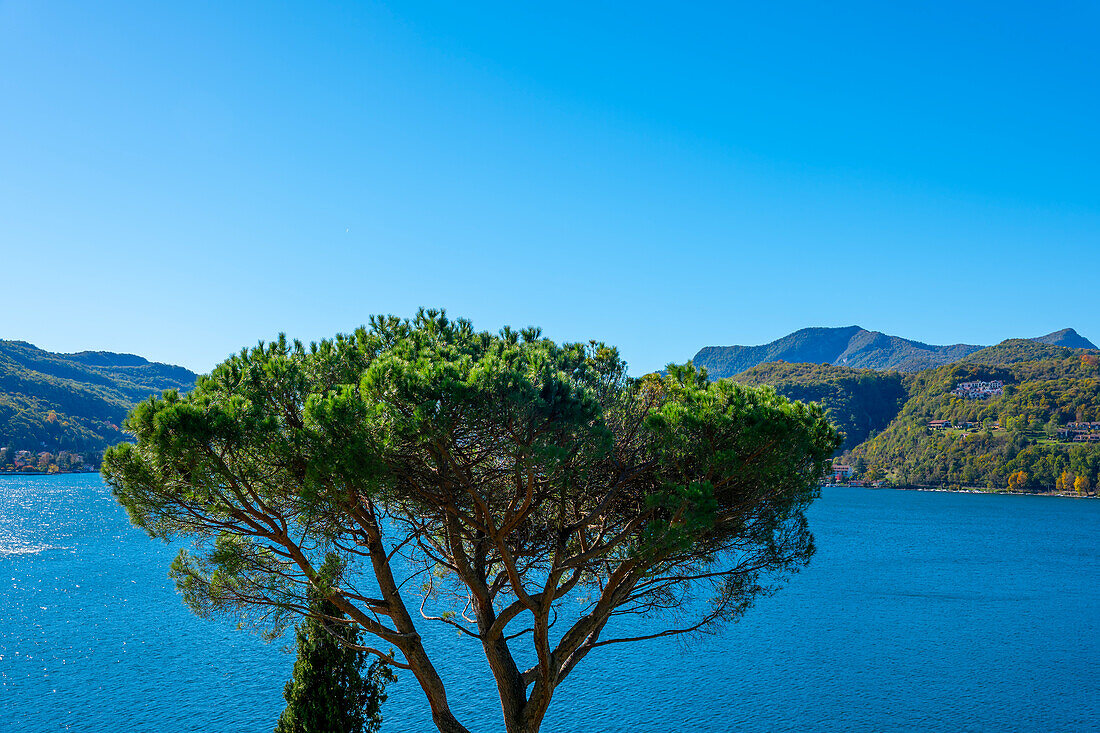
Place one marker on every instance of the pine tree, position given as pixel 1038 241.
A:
pixel 539 475
pixel 329 692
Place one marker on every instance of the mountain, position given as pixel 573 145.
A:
pixel 854 347
pixel 860 402
pixel 74 402
pixel 849 346
pixel 1066 337
pixel 906 419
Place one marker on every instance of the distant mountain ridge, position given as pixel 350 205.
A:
pixel 855 347
pixel 74 402
pixel 1066 337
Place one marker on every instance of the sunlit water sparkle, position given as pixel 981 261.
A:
pixel 921 611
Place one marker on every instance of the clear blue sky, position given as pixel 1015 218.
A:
pixel 182 180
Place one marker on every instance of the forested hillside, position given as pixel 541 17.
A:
pixel 1013 351
pixel 73 403
pixel 1034 435
pixel 1023 414
pixel 859 402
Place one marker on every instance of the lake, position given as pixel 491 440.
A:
pixel 920 611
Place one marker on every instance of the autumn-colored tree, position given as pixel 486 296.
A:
pixel 1082 484
pixel 1064 482
pixel 1017 481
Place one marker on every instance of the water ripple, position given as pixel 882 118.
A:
pixel 921 611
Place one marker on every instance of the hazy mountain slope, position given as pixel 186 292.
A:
pixel 811 345
pixel 855 347
pixel 1066 337
pixel 850 346
pixel 875 350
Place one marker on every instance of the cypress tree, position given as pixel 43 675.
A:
pixel 329 691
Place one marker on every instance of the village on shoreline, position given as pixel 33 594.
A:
pixel 844 475
pixel 28 463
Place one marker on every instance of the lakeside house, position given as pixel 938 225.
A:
pixel 1080 432
pixel 979 390
pixel 839 472
pixel 44 461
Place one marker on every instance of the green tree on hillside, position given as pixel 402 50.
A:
pixel 860 402
pixel 524 493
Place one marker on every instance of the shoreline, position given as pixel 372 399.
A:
pixel 969 490
pixel 935 489
pixel 45 473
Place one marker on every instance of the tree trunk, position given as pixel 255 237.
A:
pixel 521 725
pixel 530 718
pixel 411 645
pixel 447 723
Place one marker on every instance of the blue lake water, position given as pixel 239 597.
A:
pixel 920 611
